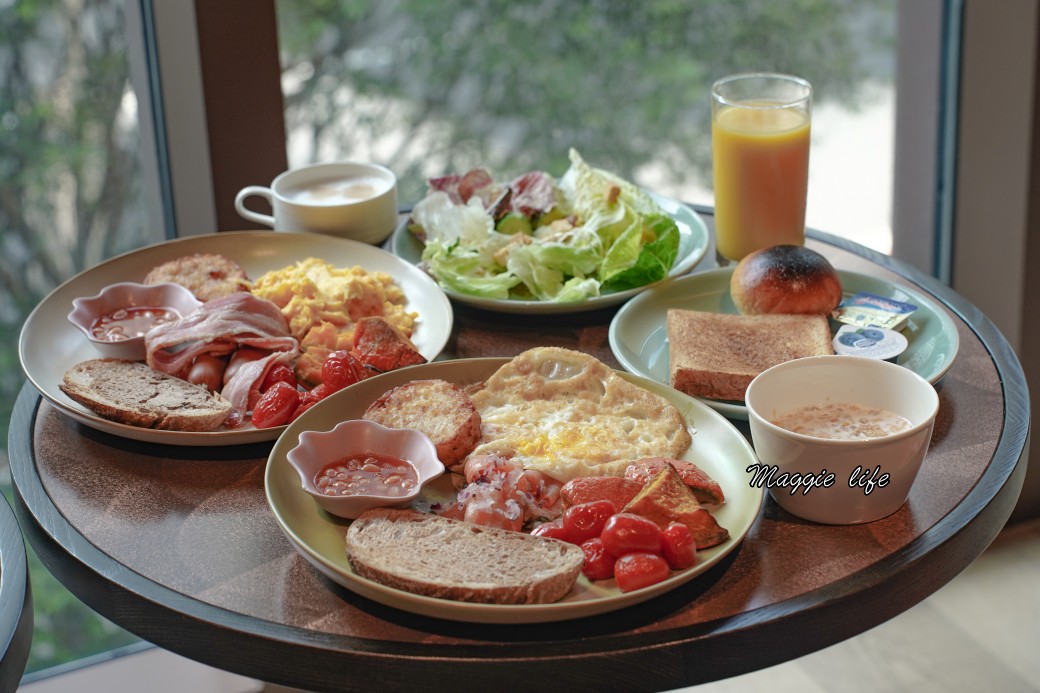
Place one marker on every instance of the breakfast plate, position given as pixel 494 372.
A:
pixel 639 338
pixel 693 244
pixel 319 537
pixel 49 344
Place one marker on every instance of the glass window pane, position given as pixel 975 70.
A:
pixel 69 160
pixel 433 88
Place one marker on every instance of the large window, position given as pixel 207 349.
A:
pixel 431 88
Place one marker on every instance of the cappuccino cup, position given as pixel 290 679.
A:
pixel 350 199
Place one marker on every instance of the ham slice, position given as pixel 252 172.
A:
pixel 221 327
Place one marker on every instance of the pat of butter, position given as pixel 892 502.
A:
pixel 871 342
pixel 870 310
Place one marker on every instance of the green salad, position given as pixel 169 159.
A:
pixel 586 234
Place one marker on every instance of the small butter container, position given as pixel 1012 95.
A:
pixel 870 310
pixel 870 342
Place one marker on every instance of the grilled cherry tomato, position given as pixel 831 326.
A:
pixel 586 520
pixel 552 529
pixel 276 406
pixel 634 571
pixel 628 532
pixel 678 546
pixel 279 372
pixel 599 565
pixel 341 368
pixel 308 399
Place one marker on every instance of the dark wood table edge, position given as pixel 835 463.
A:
pixel 662 659
pixel 16 605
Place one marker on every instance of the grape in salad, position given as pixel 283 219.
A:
pixel 586 234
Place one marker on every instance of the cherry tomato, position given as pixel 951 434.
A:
pixel 628 532
pixel 634 571
pixel 599 565
pixel 341 368
pixel 586 520
pixel 276 406
pixel 308 399
pixel 278 373
pixel 678 546
pixel 553 530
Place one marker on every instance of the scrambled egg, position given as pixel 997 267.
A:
pixel 323 303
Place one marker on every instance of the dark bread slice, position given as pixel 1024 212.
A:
pixel 435 407
pixel 717 355
pixel 439 557
pixel 130 392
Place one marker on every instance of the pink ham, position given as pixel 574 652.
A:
pixel 220 327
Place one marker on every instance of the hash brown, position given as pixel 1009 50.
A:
pixel 207 275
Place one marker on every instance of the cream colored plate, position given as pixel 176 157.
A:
pixel 717 447
pixel 49 344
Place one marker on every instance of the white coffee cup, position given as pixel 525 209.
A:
pixel 350 199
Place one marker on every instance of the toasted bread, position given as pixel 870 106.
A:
pixel 434 407
pixel 717 355
pixel 132 393
pixel 665 499
pixel 450 559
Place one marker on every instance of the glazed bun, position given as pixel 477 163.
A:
pixel 785 279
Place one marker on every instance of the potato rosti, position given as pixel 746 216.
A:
pixel 207 275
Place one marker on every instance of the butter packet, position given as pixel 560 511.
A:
pixel 870 310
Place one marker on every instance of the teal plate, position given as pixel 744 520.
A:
pixel 639 338
pixel 693 244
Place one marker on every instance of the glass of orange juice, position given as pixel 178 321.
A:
pixel 760 154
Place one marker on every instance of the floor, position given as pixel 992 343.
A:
pixel 981 632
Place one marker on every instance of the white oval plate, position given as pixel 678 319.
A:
pixel 639 336
pixel 49 344
pixel 693 244
pixel 718 448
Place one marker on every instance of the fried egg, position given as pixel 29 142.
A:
pixel 567 414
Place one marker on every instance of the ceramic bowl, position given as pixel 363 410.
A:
pixel 317 449
pixel 86 310
pixel 871 476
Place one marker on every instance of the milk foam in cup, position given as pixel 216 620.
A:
pixel 349 199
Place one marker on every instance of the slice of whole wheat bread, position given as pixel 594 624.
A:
pixel 132 393
pixel 439 557
pixel 717 355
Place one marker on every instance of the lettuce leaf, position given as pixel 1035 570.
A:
pixel 655 257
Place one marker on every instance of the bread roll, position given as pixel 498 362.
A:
pixel 785 279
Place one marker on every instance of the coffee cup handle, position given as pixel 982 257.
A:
pixel 240 205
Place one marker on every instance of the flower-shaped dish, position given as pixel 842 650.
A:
pixel 129 296
pixel 317 450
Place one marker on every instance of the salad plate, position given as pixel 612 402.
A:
pixel 49 344
pixel 638 333
pixel 693 244
pixel 718 447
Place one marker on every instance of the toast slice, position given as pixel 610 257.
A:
pixel 435 407
pixel 130 392
pixel 717 355
pixel 439 557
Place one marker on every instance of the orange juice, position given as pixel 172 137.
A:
pixel 761 165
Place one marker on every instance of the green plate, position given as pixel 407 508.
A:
pixel 717 447
pixel 639 337
pixel 693 244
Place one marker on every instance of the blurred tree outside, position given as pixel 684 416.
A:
pixel 425 88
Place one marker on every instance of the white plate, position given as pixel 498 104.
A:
pixel 49 344
pixel 717 447
pixel 693 244
pixel 639 337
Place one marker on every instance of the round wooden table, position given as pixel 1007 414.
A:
pixel 179 546
pixel 16 607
